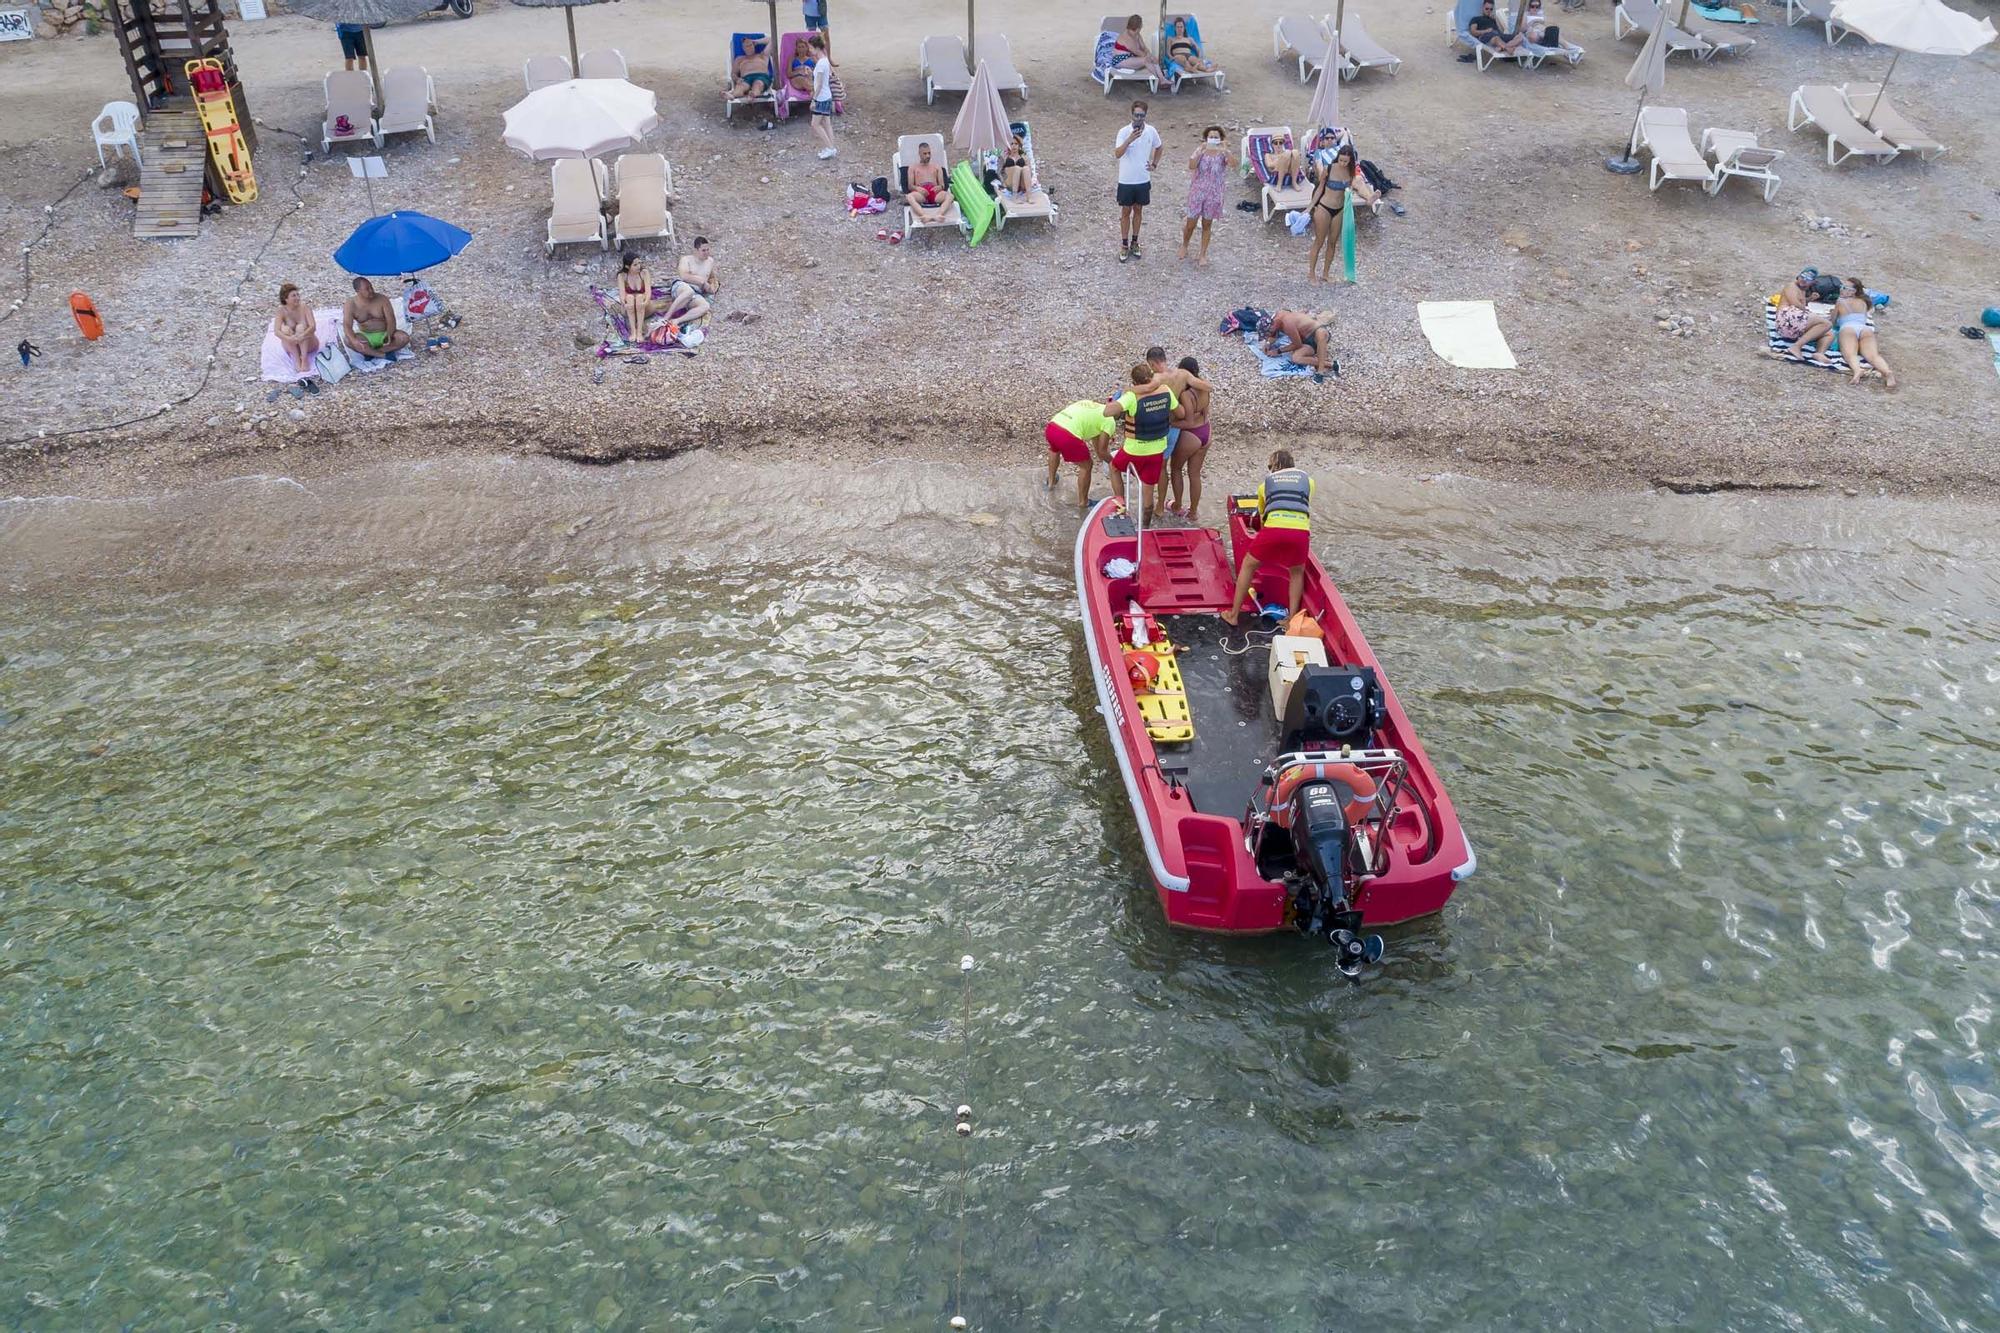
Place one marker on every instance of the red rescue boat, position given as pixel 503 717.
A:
pixel 1277 783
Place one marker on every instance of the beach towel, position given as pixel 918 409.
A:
pixel 1780 344
pixel 1172 66
pixel 1107 55
pixel 655 338
pixel 1466 334
pixel 1347 235
pixel 1275 367
pixel 1723 13
pixel 1994 340
pixel 276 363
pixel 975 205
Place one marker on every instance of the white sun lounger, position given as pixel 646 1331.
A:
pixel 768 97
pixel 541 71
pixel 1273 200
pixel 349 93
pixel 941 65
pixel 644 181
pixel 1361 51
pixel 1723 39
pixel 1873 108
pixel 1737 153
pixel 576 215
pixel 1111 78
pixel 1663 132
pixel 1642 16
pixel 1824 107
pixel 1306 38
pixel 606 64
pixel 1820 12
pixel 998 53
pixel 407 98
pixel 906 155
pixel 1213 76
pixel 1036 202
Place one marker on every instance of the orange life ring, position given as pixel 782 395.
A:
pixel 1348 775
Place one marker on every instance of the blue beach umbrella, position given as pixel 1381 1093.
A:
pixel 400 243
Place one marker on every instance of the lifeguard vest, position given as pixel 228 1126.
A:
pixel 1289 491
pixel 1151 415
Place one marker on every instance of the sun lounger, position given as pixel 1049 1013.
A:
pixel 577 213
pixel 1874 109
pixel 1458 34
pixel 1177 74
pixel 788 96
pixel 606 64
pixel 906 153
pixel 1642 16
pixel 941 63
pixel 1737 153
pixel 998 53
pixel 1824 107
pixel 1104 59
pixel 644 182
pixel 1362 51
pixel 541 71
pixel 407 98
pixel 1303 37
pixel 350 109
pixel 1663 132
pixel 1256 143
pixel 769 97
pixel 1036 202
pixel 1819 11
pixel 1723 39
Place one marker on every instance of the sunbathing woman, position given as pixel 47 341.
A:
pixel 635 295
pixel 1282 161
pixel 1132 49
pixel 1185 51
pixel 294 327
pixel 1335 179
pixel 800 75
pixel 1850 324
pixel 752 70
pixel 1014 177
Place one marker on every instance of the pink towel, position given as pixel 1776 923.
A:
pixel 277 362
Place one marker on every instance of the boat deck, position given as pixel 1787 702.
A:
pixel 1235 735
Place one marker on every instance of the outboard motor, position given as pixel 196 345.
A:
pixel 1320 844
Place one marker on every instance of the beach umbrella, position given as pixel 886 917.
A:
pixel 370 14
pixel 1924 27
pixel 1647 77
pixel 981 126
pixel 400 243
pixel 580 118
pixel 569 19
pixel 1325 111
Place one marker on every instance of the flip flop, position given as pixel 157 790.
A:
pixel 312 387
pixel 638 359
pixel 296 391
pixel 882 235
pixel 895 238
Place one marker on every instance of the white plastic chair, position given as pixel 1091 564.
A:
pixel 605 64
pixel 541 71
pixel 577 214
pixel 117 126
pixel 644 181
pixel 1737 153
pixel 407 98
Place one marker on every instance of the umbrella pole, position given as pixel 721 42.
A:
pixel 1882 87
pixel 1627 163
pixel 569 17
pixel 970 32
pixel 375 70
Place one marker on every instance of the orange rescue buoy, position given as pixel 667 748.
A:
pixel 86 316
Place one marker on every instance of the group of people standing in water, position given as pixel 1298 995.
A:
pixel 1157 430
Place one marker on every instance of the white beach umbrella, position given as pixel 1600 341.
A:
pixel 580 118
pixel 1648 78
pixel 1325 111
pixel 1924 27
pixel 981 126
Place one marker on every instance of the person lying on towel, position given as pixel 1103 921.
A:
pixel 1311 336
pixel 930 196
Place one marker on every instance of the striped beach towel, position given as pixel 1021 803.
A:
pixel 1780 344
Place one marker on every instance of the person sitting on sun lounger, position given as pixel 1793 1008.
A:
pixel 1014 178
pixel 800 75
pixel 752 70
pixel 1282 160
pixel 930 196
pixel 1132 49
pixel 1485 29
pixel 368 323
pixel 1185 51
pixel 1540 32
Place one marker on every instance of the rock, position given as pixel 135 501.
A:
pixel 299 413
pixel 1664 325
pixel 1631 247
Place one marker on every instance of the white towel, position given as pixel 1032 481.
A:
pixel 1466 334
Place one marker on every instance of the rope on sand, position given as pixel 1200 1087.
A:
pixel 964 1131
pixel 27 247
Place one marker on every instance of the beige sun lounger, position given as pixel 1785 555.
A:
pixel 1824 107
pixel 1036 202
pixel 1663 132
pixel 577 215
pixel 941 64
pixel 1306 38
pixel 1213 76
pixel 1111 78
pixel 1723 39
pixel 407 98
pixel 1819 11
pixel 1874 109
pixel 998 53
pixel 644 181
pixel 1642 16
pixel 1273 199
pixel 606 64
pixel 1362 51
pixel 906 155
pixel 541 71
pixel 349 93
pixel 1737 153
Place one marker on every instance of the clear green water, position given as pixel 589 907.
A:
pixel 514 898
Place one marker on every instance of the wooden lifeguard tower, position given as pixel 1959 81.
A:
pixel 157 39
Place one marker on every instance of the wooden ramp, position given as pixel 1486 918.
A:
pixel 176 160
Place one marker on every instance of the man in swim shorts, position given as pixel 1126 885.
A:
pixel 1311 338
pixel 1185 385
pixel 1147 408
pixel 930 195
pixel 1080 433
pixel 368 323
pixel 1284 532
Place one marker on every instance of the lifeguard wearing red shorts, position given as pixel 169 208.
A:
pixel 1284 533
pixel 1071 434
pixel 1149 406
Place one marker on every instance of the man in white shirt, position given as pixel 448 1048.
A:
pixel 1138 152
pixel 822 104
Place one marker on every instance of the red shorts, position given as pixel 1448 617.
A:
pixel 932 195
pixel 1067 445
pixel 1148 466
pixel 1281 548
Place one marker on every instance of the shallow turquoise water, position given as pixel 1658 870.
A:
pixel 513 897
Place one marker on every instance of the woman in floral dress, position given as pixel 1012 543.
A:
pixel 1208 169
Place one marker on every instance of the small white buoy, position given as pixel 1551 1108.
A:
pixel 958 1321
pixel 964 1111
pixel 965 963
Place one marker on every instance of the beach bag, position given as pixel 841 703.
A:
pixel 330 363
pixel 880 189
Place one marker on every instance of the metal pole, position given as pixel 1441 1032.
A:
pixel 1882 87
pixel 575 61
pixel 374 69
pixel 971 35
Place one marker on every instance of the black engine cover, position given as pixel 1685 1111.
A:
pixel 1330 707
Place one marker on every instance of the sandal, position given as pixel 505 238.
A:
pixel 638 359
pixel 312 387
pixel 296 391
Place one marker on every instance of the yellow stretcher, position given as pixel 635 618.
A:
pixel 1163 702
pixel 225 136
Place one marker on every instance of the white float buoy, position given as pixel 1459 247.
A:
pixel 958 1321
pixel 964 1128
pixel 965 963
pixel 964 1112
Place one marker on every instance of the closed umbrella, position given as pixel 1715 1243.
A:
pixel 1923 27
pixel 981 126
pixel 370 14
pixel 1325 111
pixel 569 19
pixel 400 243
pixel 1648 78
